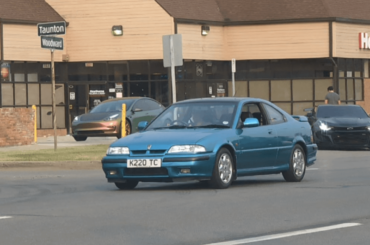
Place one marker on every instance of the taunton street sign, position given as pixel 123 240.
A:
pixel 51 28
pixel 52 43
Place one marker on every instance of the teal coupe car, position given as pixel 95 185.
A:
pixel 214 140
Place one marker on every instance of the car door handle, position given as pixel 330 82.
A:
pixel 270 131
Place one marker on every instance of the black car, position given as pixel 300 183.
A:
pixel 340 126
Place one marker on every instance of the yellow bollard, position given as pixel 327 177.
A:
pixel 35 124
pixel 123 123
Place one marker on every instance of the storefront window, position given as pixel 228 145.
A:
pixel 139 70
pixel 350 89
pixel 139 89
pixel 281 90
pixel 259 89
pixel 259 70
pixel 321 88
pixel 87 72
pixel 7 94
pixel 157 71
pixel 302 90
pixel 342 89
pixel 358 89
pixel 241 89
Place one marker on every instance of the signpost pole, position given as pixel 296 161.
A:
pixel 54 107
pixel 233 74
pixel 173 76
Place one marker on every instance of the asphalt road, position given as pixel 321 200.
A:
pixel 330 206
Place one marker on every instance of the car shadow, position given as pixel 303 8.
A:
pixel 196 185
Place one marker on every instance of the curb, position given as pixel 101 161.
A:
pixel 61 165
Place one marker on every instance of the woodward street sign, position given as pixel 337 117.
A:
pixel 51 28
pixel 52 43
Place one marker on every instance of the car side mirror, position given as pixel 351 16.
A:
pixel 251 122
pixel 137 110
pixel 142 125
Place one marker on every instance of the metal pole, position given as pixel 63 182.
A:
pixel 54 108
pixel 233 79
pixel 173 78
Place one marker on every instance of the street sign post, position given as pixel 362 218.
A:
pixel 51 28
pixel 233 70
pixel 47 32
pixel 55 43
pixel 172 56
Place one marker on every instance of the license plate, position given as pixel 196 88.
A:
pixel 144 163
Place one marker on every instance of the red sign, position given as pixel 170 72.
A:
pixel 364 40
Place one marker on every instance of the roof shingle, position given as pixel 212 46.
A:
pixel 32 11
pixel 265 10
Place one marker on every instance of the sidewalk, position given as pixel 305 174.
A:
pixel 48 143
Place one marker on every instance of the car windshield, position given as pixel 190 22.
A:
pixel 196 115
pixel 113 106
pixel 341 111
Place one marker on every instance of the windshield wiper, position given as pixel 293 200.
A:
pixel 212 126
pixel 177 126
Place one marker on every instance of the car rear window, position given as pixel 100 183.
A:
pixel 341 111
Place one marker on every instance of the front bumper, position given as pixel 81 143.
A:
pixel 343 139
pixel 91 129
pixel 200 165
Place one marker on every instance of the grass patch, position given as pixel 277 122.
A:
pixel 80 153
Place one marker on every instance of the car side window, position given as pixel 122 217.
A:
pixel 153 105
pixel 273 115
pixel 142 104
pixel 252 110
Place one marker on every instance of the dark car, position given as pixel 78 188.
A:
pixel 340 126
pixel 105 119
pixel 214 140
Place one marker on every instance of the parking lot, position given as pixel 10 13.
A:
pixel 330 206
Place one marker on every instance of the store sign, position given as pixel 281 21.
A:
pixel 364 40
pixel 51 28
pixel 52 43
pixel 5 71
pixel 97 92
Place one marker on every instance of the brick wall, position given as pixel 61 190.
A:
pixel 366 102
pixel 50 132
pixel 16 126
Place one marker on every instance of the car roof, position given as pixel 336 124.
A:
pixel 222 99
pixel 124 98
pixel 338 106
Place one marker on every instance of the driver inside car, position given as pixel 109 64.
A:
pixel 198 118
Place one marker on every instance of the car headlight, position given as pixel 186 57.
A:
pixel 75 119
pixel 368 128
pixel 111 118
pixel 324 127
pixel 187 149
pixel 118 151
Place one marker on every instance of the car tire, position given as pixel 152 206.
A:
pixel 128 185
pixel 223 171
pixel 80 138
pixel 128 129
pixel 297 165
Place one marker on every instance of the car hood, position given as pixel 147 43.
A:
pixel 165 138
pixel 89 117
pixel 345 122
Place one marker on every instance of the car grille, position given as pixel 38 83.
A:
pixel 144 152
pixel 349 128
pixel 145 171
pixel 351 138
pixel 90 132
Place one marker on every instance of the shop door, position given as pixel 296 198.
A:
pixel 78 103
pixel 216 89
pixel 96 95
